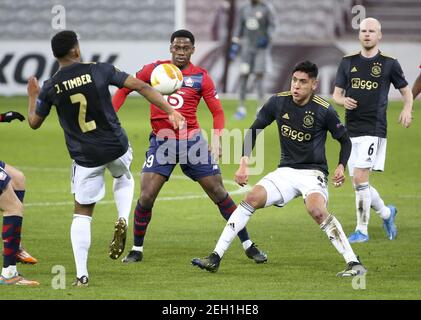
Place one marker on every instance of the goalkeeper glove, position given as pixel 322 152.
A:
pixel 235 48
pixel 11 115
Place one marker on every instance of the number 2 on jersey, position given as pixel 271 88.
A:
pixel 83 105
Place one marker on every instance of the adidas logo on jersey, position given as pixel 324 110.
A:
pixel 354 69
pixel 285 116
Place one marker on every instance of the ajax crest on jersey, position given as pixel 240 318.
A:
pixel 166 78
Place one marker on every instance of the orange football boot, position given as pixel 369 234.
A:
pixel 24 257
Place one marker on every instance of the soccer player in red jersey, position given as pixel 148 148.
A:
pixel 159 165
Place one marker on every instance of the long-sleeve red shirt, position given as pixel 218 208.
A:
pixel 196 84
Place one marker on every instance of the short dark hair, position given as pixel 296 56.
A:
pixel 307 67
pixel 63 42
pixel 182 33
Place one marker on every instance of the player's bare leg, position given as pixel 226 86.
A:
pixel 12 222
pixel 18 184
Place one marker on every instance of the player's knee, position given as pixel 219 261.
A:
pixel 217 193
pixel 318 214
pixel 255 200
pixel 13 208
pixel 147 199
pixel 20 180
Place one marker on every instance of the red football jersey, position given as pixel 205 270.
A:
pixel 196 84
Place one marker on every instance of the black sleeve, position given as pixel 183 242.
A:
pixel 264 118
pixel 341 80
pixel 251 135
pixel 345 151
pixel 397 77
pixel 334 124
pixel 44 100
pixel 115 76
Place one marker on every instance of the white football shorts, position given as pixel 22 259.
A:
pixel 285 184
pixel 368 152
pixel 88 184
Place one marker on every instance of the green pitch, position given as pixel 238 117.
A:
pixel 185 224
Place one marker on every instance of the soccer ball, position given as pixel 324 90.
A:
pixel 166 78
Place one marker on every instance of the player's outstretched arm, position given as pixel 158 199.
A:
pixel 405 118
pixel 33 89
pixel 155 98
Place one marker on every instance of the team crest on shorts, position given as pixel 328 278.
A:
pixel 376 69
pixel 308 120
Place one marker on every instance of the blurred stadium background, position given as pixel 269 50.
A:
pixel 131 33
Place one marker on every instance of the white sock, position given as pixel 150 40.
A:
pixel 336 235
pixel 378 204
pixel 363 205
pixel 247 244
pixel 9 272
pixel 235 223
pixel 80 234
pixel 134 248
pixel 123 188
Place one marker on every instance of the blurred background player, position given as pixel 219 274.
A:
pixel 362 87
pixel 252 34
pixel 197 84
pixel 94 138
pixel 416 88
pixel 18 184
pixel 302 169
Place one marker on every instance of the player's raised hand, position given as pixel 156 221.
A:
pixel 339 176
pixel 33 87
pixel 350 104
pixel 242 174
pixel 177 120
pixel 405 118
pixel 11 115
